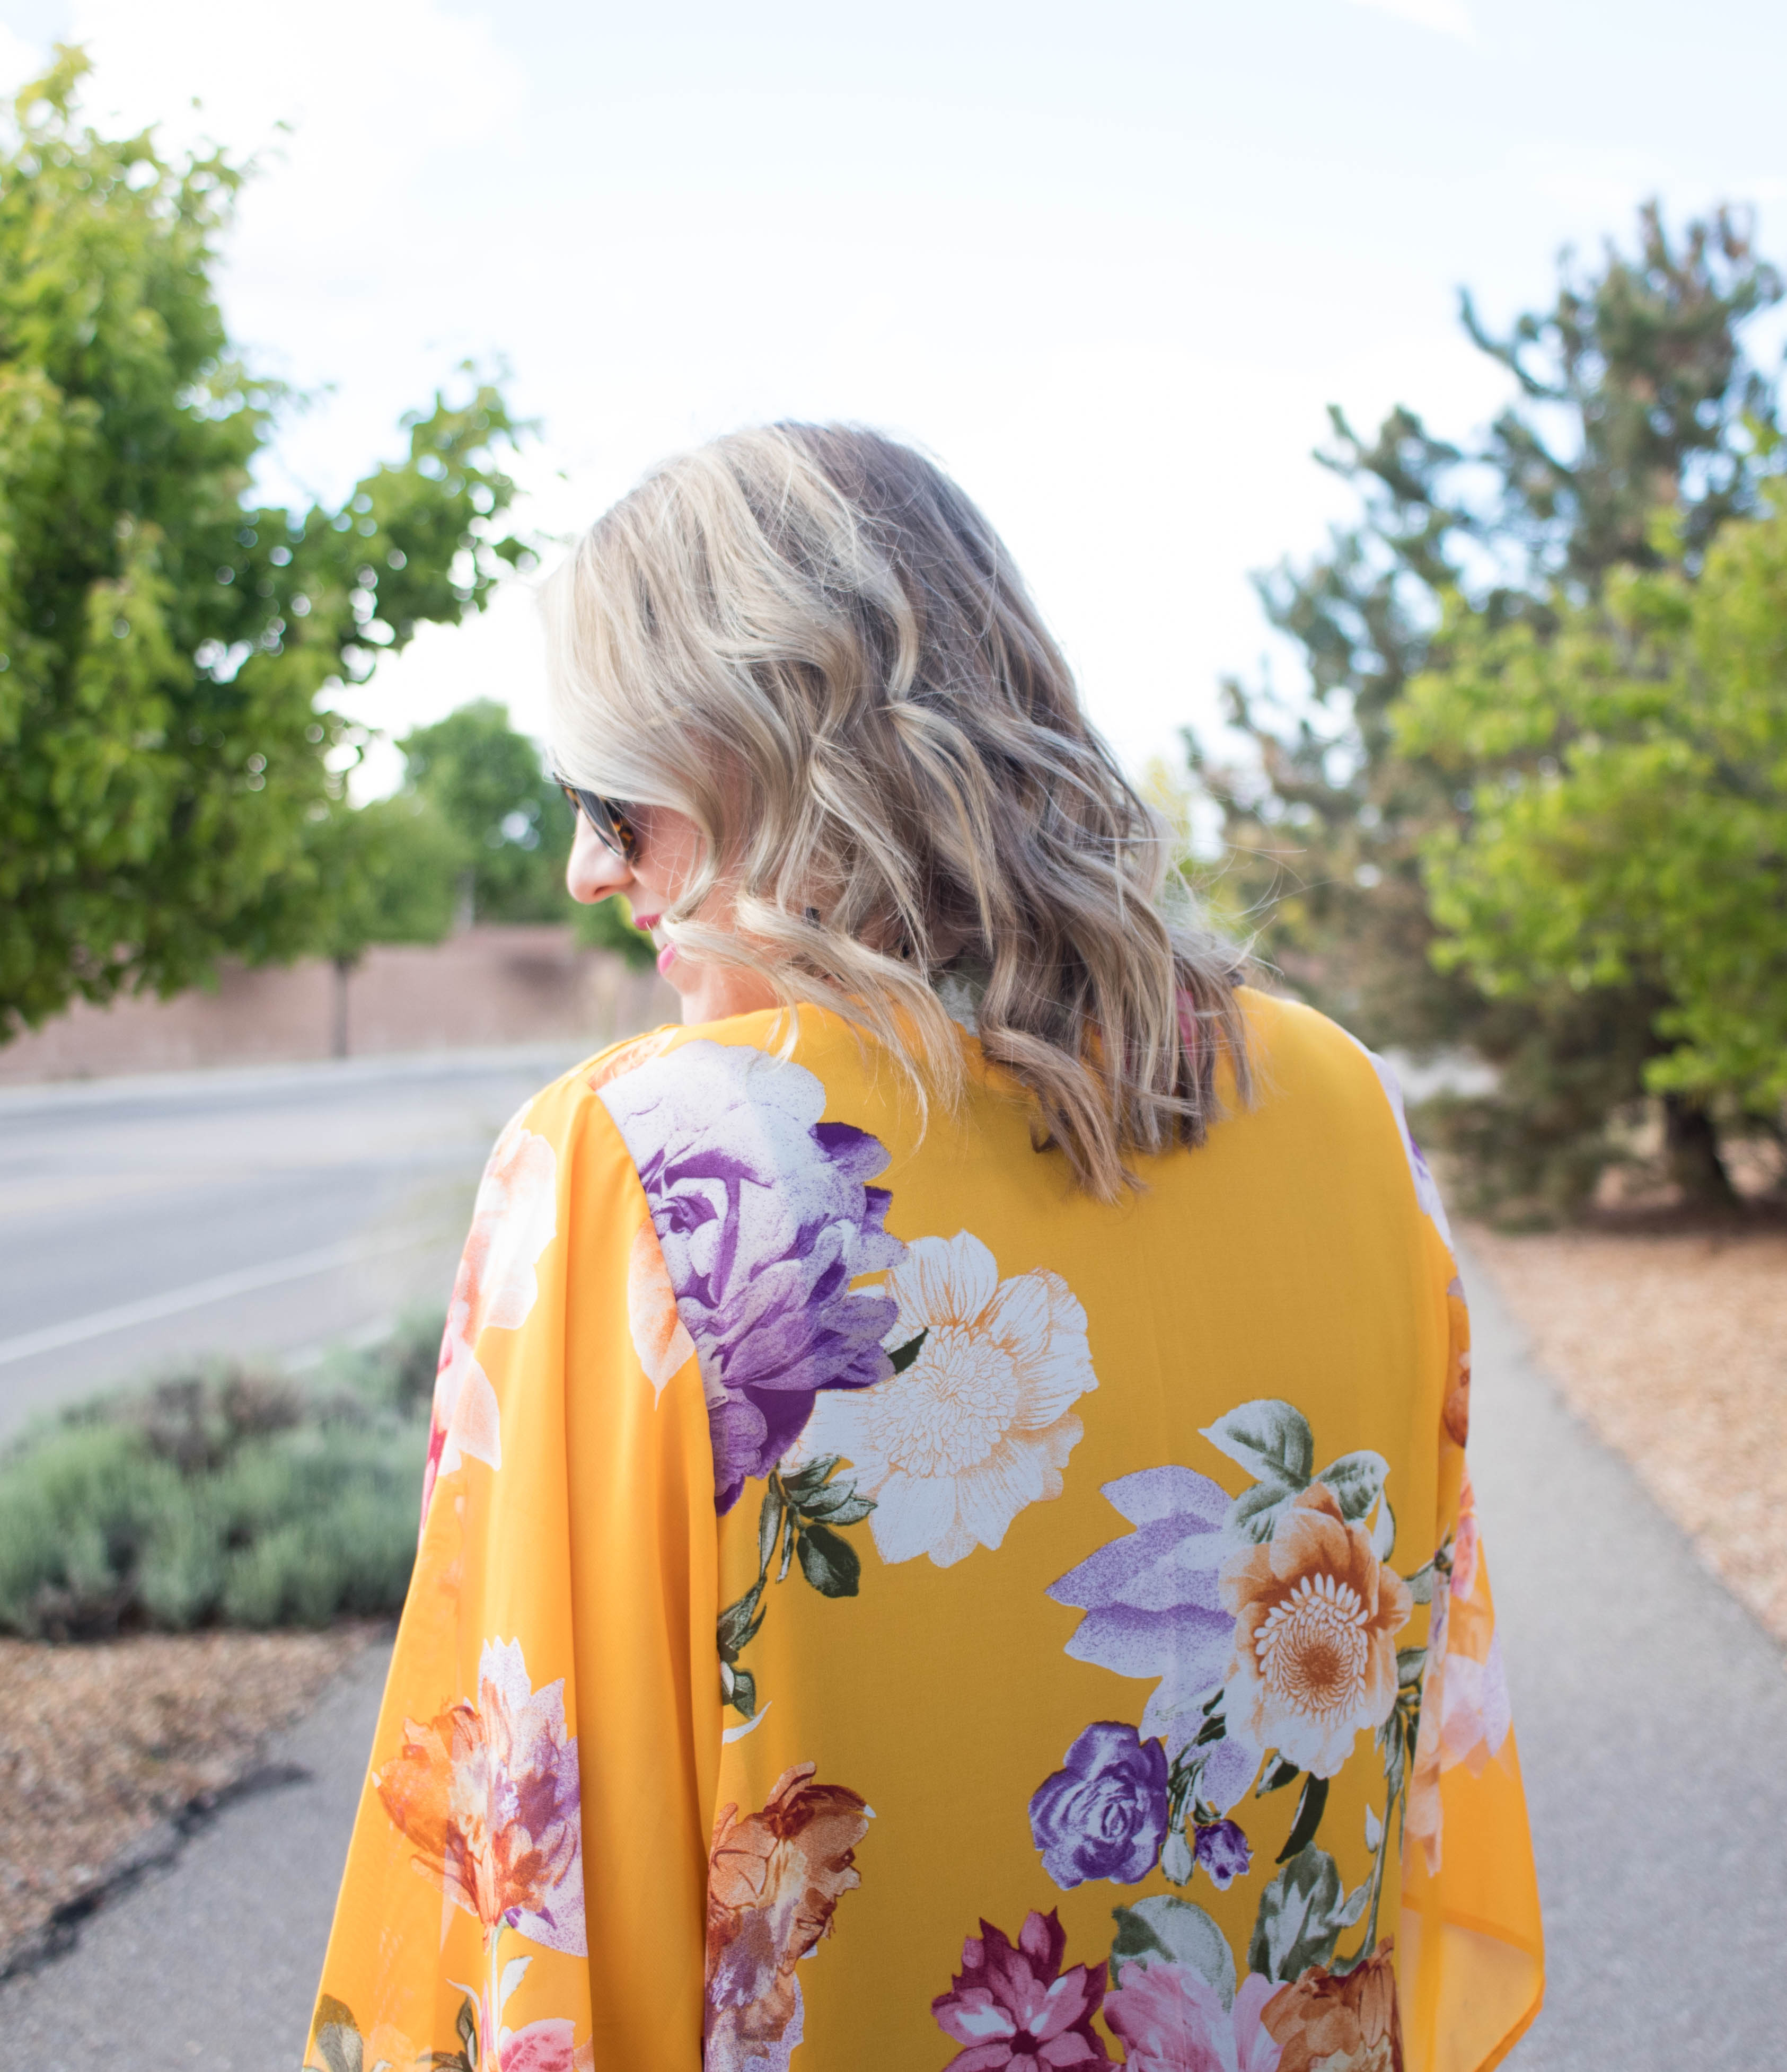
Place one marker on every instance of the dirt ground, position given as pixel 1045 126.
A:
pixel 1673 1347
pixel 108 1751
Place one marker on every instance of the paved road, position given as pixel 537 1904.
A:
pixel 253 1211
pixel 1651 1711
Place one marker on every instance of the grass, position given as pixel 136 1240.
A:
pixel 229 1496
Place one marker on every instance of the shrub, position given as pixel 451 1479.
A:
pixel 229 1496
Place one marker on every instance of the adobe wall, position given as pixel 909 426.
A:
pixel 488 985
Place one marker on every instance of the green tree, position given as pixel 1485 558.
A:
pixel 512 825
pixel 384 873
pixel 1633 390
pixel 164 641
pixel 1627 825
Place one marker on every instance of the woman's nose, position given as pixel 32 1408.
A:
pixel 594 871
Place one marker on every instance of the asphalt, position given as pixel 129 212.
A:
pixel 1652 1712
pixel 260 1213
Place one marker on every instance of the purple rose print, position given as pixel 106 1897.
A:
pixel 765 1217
pixel 1223 1851
pixel 1104 1815
pixel 1153 1608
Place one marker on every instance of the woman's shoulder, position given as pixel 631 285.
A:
pixel 1317 1077
pixel 748 1097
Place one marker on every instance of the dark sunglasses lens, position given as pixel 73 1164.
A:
pixel 610 826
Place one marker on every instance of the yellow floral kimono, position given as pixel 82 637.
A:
pixel 877 1609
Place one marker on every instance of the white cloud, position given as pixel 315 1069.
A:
pixel 1450 18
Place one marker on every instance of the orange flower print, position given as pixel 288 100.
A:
pixel 660 1337
pixel 1316 1615
pixel 1456 1410
pixel 488 1794
pixel 774 1880
pixel 626 1058
pixel 513 1220
pixel 1347 2024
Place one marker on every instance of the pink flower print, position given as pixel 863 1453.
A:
pixel 488 1793
pixel 512 1221
pixel 1172 2019
pixel 1014 2005
pixel 544 2046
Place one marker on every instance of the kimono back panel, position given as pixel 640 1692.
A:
pixel 879 1608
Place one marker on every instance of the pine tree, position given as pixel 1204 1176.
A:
pixel 1633 392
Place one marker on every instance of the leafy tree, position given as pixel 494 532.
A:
pixel 1632 391
pixel 512 824
pixel 1628 827
pixel 163 639
pixel 384 873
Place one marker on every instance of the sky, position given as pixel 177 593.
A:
pixel 1109 265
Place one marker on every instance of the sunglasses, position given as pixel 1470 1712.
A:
pixel 608 819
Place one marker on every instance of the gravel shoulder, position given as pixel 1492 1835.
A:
pixel 110 1754
pixel 1673 1349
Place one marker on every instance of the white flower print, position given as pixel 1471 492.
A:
pixel 980 1424
pixel 512 1221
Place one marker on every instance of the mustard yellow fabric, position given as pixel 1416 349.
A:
pixel 877 1609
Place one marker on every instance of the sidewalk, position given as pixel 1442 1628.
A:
pixel 1652 1712
pixel 210 1962
pixel 1652 1715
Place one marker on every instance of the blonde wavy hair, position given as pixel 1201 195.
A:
pixel 808 639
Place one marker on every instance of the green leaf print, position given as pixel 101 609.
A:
pixel 1275 1779
pixel 839 1505
pixel 908 1353
pixel 1301 1915
pixel 829 1564
pixel 1358 1481
pixel 769 1524
pixel 1255 1511
pixel 738 1621
pixel 801 1516
pixel 1310 1808
pixel 338 2038
pixel 1163 1926
pixel 1272 1440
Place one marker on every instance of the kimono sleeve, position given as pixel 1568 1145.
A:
pixel 526 1882
pixel 1472 1948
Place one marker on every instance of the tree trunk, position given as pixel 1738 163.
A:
pixel 343 967
pixel 1691 1144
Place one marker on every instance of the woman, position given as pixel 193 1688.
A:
pixel 959 1445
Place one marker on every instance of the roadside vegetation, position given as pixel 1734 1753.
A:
pixel 226 1496
pixel 1529 805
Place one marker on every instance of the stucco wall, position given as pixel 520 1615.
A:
pixel 489 985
